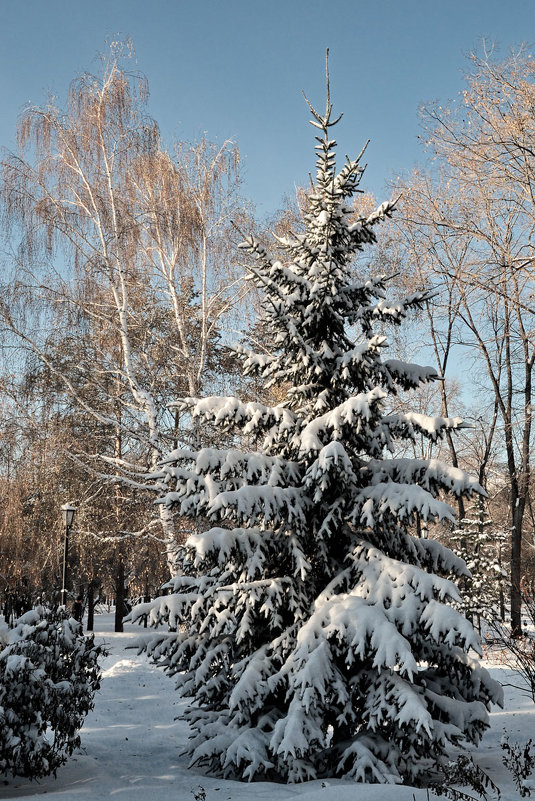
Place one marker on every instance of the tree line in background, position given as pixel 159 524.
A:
pixel 122 291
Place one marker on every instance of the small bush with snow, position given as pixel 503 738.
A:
pixel 48 677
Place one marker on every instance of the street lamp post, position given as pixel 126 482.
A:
pixel 68 516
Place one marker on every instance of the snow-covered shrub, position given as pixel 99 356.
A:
pixel 313 631
pixel 48 677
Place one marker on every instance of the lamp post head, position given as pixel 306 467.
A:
pixel 68 514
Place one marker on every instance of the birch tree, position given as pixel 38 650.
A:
pixel 120 283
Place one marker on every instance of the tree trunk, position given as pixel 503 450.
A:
pixel 119 595
pixel 90 606
pixel 518 505
pixel 171 546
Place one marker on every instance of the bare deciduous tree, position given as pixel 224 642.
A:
pixel 122 277
pixel 475 232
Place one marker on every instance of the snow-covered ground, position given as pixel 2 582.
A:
pixel 131 743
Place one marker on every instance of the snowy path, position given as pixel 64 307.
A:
pixel 131 744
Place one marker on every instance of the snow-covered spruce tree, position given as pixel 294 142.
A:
pixel 49 674
pixel 312 631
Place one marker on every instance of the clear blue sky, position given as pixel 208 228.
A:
pixel 236 68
